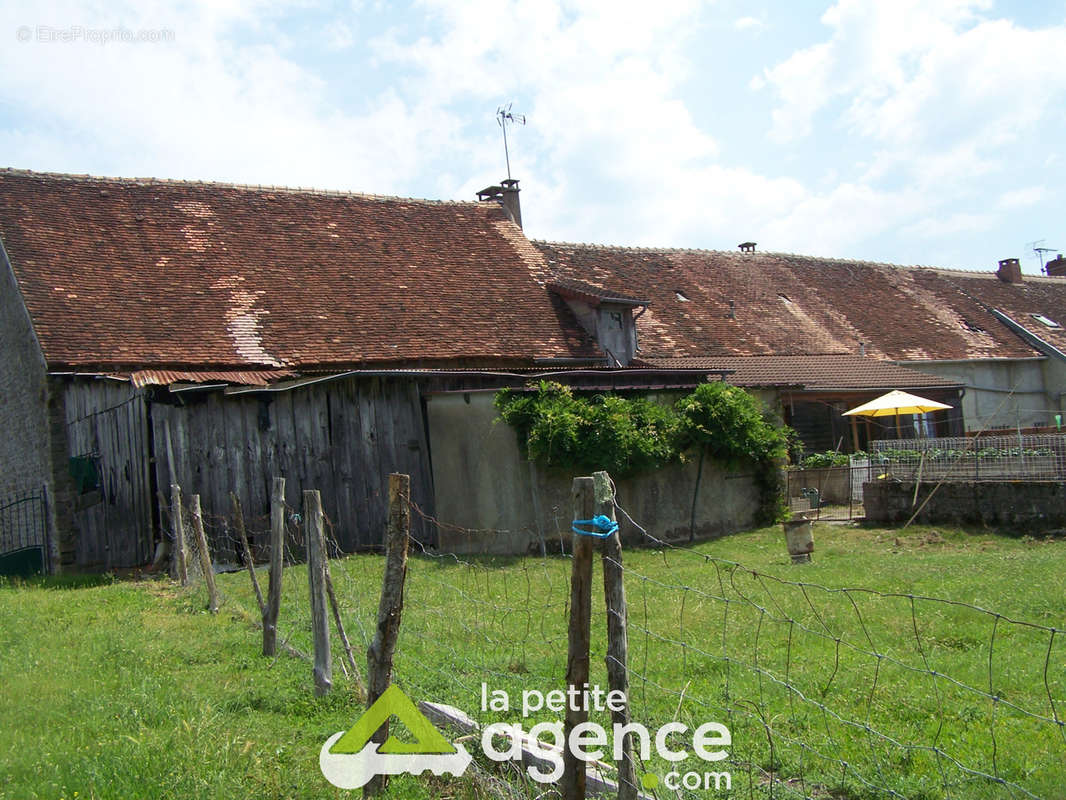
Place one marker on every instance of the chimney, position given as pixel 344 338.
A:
pixel 1010 270
pixel 510 200
pixel 862 349
pixel 1056 268
pixel 747 247
pixel 506 194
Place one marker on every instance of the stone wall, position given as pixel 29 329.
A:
pixel 24 446
pixel 25 443
pixel 1019 506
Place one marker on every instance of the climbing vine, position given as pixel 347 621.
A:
pixel 627 435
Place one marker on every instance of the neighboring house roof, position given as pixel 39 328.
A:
pixel 130 273
pixel 713 303
pixel 813 373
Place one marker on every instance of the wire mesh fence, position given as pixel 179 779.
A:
pixel 983 458
pixel 826 691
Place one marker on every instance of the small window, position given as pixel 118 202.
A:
pixel 785 299
pixel 1045 321
pixel 681 296
pixel 972 327
pixel 85 470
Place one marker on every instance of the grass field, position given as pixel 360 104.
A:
pixel 128 689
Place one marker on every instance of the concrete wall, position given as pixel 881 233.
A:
pixel 483 484
pixel 1055 387
pixel 1018 506
pixel 1002 393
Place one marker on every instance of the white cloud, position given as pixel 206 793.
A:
pixel 599 82
pixel 937 92
pixel 928 96
pixel 950 225
pixel 920 73
pixel 339 36
pixel 207 104
pixel 1022 198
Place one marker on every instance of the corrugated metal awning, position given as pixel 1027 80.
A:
pixel 166 377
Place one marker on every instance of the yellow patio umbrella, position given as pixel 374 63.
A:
pixel 895 403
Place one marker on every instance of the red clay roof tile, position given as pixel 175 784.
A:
pixel 813 373
pixel 749 304
pixel 120 273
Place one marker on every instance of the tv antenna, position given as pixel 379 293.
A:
pixel 503 116
pixel 1036 247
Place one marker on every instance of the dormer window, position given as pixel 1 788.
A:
pixel 606 316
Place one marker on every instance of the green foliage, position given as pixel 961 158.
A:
pixel 629 435
pixel 830 458
pixel 731 424
pixel 899 454
pixel 621 435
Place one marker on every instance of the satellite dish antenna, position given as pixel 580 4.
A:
pixel 503 116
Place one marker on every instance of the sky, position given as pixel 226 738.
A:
pixel 906 131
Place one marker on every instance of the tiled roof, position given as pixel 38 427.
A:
pixel 129 273
pixel 825 373
pixel 593 295
pixel 715 303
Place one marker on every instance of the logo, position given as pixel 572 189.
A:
pixel 349 759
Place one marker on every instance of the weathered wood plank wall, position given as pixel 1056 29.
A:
pixel 341 437
pixel 107 422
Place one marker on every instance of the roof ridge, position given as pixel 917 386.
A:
pixel 778 254
pixel 296 190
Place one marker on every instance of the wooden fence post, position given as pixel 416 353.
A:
pixel 238 519
pixel 617 634
pixel 379 655
pixel 347 645
pixel 316 580
pixel 277 551
pixel 205 553
pixel 176 519
pixel 572 785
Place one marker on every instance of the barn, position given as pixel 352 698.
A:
pixel 214 336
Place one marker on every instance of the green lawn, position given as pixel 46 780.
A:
pixel 129 689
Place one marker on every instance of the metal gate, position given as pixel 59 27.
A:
pixel 24 543
pixel 830 493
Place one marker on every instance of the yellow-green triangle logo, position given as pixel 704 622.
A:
pixel 394 703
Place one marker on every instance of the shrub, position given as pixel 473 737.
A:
pixel 731 424
pixel 629 435
pixel 621 435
